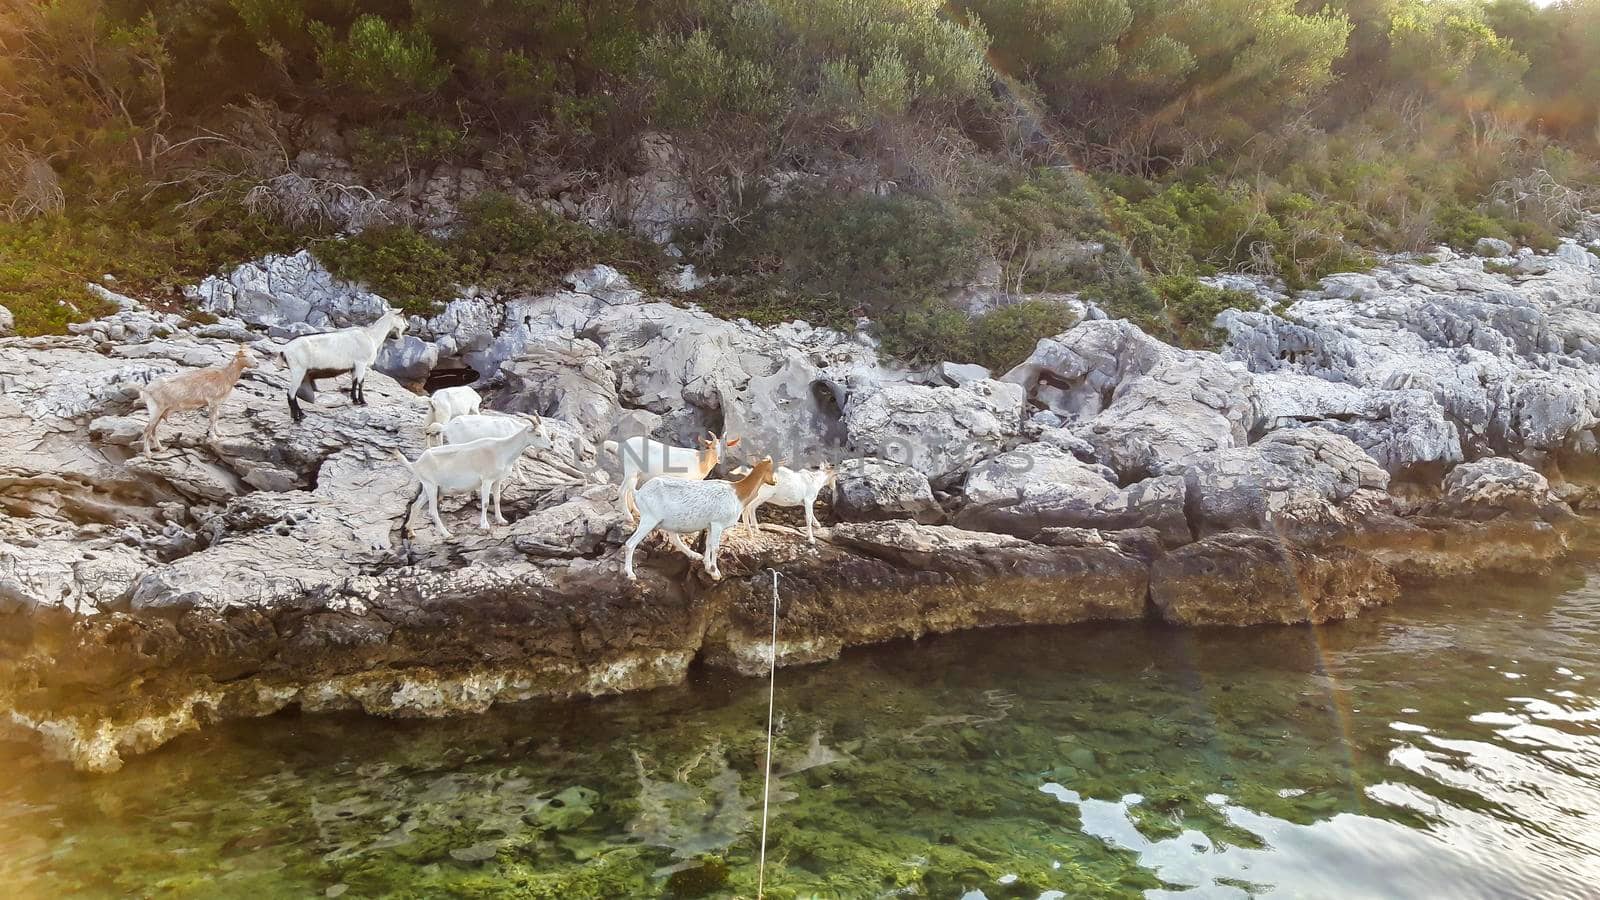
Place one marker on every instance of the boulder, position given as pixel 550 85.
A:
pixel 1087 502
pixel 1488 488
pixel 1287 478
pixel 1078 372
pixel 1488 246
pixel 939 431
pixel 1180 409
pixel 1575 255
pixel 8 323
pixel 870 490
pixel 565 379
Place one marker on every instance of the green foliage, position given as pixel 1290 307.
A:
pixel 152 251
pixel 1005 337
pixel 415 141
pixel 697 82
pixel 864 254
pixel 1027 224
pixel 506 246
pixel 501 244
pixel 398 263
pixel 1462 227
pixel 1191 307
pixel 840 63
pixel 1236 66
pixel 383 64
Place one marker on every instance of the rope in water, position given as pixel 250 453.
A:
pixel 766 789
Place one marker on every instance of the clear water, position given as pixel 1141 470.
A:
pixel 1449 747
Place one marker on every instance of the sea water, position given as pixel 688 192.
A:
pixel 1446 747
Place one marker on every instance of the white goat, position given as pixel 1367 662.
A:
pixel 445 405
pixel 193 389
pixel 793 488
pixel 644 459
pixel 475 426
pixel 352 350
pixel 681 507
pixel 484 463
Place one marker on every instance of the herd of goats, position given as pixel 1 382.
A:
pixel 467 449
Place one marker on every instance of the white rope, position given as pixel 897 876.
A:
pixel 766 791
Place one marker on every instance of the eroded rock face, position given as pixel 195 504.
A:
pixel 1256 579
pixel 1146 408
pixel 1039 486
pixel 1298 476
pixel 1509 359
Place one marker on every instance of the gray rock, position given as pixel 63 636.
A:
pixel 1488 246
pixel 1179 410
pixel 1511 364
pixel 957 374
pixel 409 359
pixel 869 490
pixel 939 431
pixel 1486 488
pixel 1087 502
pixel 1575 255
pixel 8 323
pixel 1293 477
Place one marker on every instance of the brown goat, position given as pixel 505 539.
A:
pixel 207 388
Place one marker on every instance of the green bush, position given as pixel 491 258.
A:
pixel 1005 337
pixel 151 249
pixel 501 244
pixel 1462 227
pixel 1191 307
pixel 507 246
pixel 928 332
pixel 399 263
pixel 860 254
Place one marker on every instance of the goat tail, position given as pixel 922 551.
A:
pixel 402 457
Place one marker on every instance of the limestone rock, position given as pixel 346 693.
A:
pixel 869 490
pixel 1296 475
pixel 1487 488
pixel 938 431
pixel 1242 579
pixel 1488 246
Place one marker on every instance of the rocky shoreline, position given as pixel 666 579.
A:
pixel 1415 422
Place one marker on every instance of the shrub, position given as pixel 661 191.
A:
pixel 865 254
pixel 1192 306
pixel 1005 337
pixel 505 245
pixel 398 263
pixel 152 249
pixel 417 142
pixel 1461 227
pixel 501 244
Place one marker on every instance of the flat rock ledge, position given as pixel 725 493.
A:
pixel 418 642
